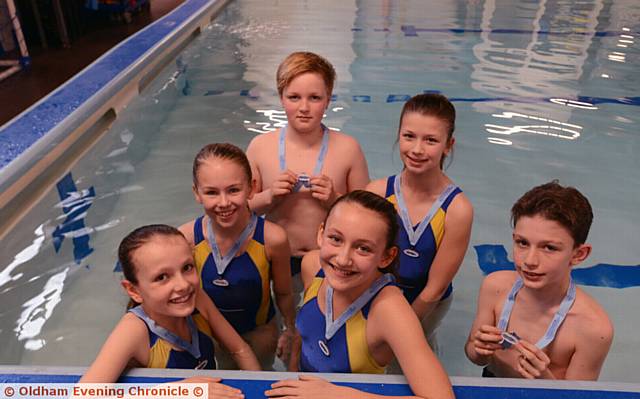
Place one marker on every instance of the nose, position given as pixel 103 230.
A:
pixel 224 199
pixel 344 256
pixel 304 105
pixel 181 282
pixel 418 147
pixel 531 258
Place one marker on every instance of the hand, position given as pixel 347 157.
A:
pixel 486 340
pixel 532 362
pixel 216 390
pixel 307 387
pixel 283 351
pixel 283 185
pixel 322 190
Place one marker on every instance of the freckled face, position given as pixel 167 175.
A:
pixel 304 100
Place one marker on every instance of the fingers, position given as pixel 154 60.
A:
pixel 532 362
pixel 202 379
pixel 217 390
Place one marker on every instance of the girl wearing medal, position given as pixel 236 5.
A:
pixel 435 215
pixel 353 319
pixel 238 255
pixel 164 330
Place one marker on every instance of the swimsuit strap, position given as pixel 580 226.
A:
pixel 321 155
pixel 223 261
pixel 558 318
pixel 331 326
pixel 193 348
pixel 414 235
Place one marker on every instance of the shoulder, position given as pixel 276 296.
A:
pixel 187 230
pixel 592 320
pixel 274 234
pixel 132 329
pixel 345 141
pixel 497 283
pixel 460 208
pixel 378 186
pixel 389 300
pixel 256 145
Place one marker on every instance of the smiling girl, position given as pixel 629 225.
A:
pixel 238 255
pixel 354 320
pixel 164 330
pixel 435 215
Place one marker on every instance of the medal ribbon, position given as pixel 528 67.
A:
pixel 414 235
pixel 223 261
pixel 321 155
pixel 331 327
pixel 558 318
pixel 193 348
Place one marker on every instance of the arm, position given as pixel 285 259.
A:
pixel 358 176
pixel 591 350
pixel 127 342
pixel 484 336
pixel 457 231
pixel 278 253
pixel 266 198
pixel 378 186
pixel 187 231
pixel 224 333
pixel 310 267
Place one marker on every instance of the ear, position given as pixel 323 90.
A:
pixel 389 255
pixel 319 234
pixel 196 195
pixel 447 150
pixel 131 290
pixel 580 254
pixel 254 185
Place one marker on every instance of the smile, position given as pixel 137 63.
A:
pixel 342 272
pixel 182 299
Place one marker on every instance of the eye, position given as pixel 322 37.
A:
pixel 520 242
pixel 432 140
pixel 210 192
pixel 188 267
pixel 334 239
pixel 408 136
pixel 293 97
pixel 365 249
pixel 234 190
pixel 316 98
pixel 551 248
pixel 161 277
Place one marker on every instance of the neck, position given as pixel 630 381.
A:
pixel 551 295
pixel 235 230
pixel 309 138
pixel 427 183
pixel 176 325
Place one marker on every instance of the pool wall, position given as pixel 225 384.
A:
pixel 44 142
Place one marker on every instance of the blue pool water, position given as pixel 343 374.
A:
pixel 543 90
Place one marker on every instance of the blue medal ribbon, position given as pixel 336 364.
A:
pixel 303 179
pixel 414 235
pixel 331 326
pixel 223 261
pixel 193 348
pixel 558 318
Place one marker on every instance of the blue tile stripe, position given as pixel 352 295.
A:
pixel 254 388
pixel 103 78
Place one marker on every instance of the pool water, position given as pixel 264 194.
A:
pixel 543 90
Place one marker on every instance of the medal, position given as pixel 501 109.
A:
pixel 324 348
pixel 411 252
pixel 303 178
pixel 220 282
pixel 202 364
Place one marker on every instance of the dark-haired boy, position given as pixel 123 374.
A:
pixel 534 322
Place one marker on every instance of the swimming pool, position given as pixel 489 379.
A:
pixel 543 90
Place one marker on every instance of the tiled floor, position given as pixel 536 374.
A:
pixel 55 65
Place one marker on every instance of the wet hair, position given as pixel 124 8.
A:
pixel 136 239
pixel 222 151
pixel 565 205
pixel 302 62
pixel 432 104
pixel 385 211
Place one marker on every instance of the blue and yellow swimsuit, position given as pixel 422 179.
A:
pixel 349 352
pixel 163 356
pixel 246 302
pixel 413 273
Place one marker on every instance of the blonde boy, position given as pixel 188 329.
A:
pixel 534 322
pixel 301 169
